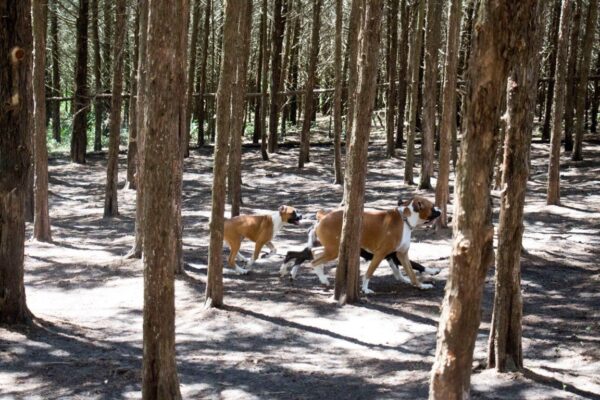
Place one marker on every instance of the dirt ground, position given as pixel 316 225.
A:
pixel 278 339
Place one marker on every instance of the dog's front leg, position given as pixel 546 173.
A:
pixel 403 257
pixel 272 249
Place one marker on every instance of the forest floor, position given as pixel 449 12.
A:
pixel 278 339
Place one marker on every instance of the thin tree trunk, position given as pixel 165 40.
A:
pixel 595 99
pixel 584 72
pixel 418 16
pixel 505 349
pixel 80 101
pixel 98 103
pixel 132 119
pixel 41 220
pixel 553 194
pixel 442 193
pixel 572 73
pixel 498 24
pixel 202 77
pixel 402 72
pixel 392 47
pixel 106 51
pixel 192 73
pixel 55 105
pixel 256 135
pixel 337 96
pixel 551 71
pixel 346 282
pixel 111 207
pixel 16 43
pixel 352 49
pixel 277 44
pixel 294 72
pixel 162 154
pixel 265 69
pixel 310 84
pixel 430 95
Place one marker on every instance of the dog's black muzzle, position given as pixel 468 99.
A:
pixel 295 218
pixel 435 212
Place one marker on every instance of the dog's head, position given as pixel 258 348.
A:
pixel 424 208
pixel 289 214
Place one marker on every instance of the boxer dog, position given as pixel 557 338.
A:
pixel 383 233
pixel 260 229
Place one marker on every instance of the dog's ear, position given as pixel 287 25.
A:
pixel 281 209
pixel 417 205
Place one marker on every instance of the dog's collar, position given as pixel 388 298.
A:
pixel 407 223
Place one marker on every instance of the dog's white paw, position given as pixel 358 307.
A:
pixel 431 271
pixel 240 270
pixel 294 272
pixel 425 286
pixel 368 291
pixel 403 278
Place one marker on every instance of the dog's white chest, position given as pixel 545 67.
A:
pixel 277 222
pixel 404 244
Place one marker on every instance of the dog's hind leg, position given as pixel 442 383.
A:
pixel 377 258
pixel 317 266
pixel 409 271
pixel 235 248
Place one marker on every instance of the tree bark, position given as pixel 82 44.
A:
pixel 16 43
pixel 166 20
pixel 551 71
pixel 553 194
pixel 430 92
pixel 337 96
pixel 111 207
pixel 192 72
pixel 106 50
pixel 402 72
pixel 572 72
pixel 55 51
pixel 235 15
pixel 392 65
pixel 277 45
pixel 310 84
pixel 356 11
pixel 265 69
pixel 256 135
pixel 346 282
pixel 98 103
pixel 584 73
pixel 595 99
pixel 132 118
pixel 418 16
pixel 498 24
pixel 505 350
pixel 80 101
pixel 203 67
pixel 442 193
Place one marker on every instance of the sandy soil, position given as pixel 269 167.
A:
pixel 278 339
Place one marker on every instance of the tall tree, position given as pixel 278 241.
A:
pixel 595 98
pixel 430 92
pixel 346 282
pixel 41 219
pixel 402 71
pixel 111 207
pixel 132 117
pixel 98 102
pixel 448 124
pixel 352 55
pixel 551 70
pixel 418 15
pixel 553 193
pixel 584 73
pixel 80 101
pixel 203 69
pixel 310 84
pixel 572 72
pixel 505 350
pixel 235 18
pixel 499 26
pixel 264 67
pixel 192 71
pixel 279 18
pixel 15 155
pixel 261 54
pixel 391 61
pixel 337 96
pixel 162 153
pixel 55 52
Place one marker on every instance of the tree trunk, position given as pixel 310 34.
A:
pixel 596 98
pixel 106 51
pixel 430 95
pixel 55 51
pixel 98 103
pixel 294 72
pixel 202 78
pixel 41 220
pixel 16 43
pixel 551 71
pixel 442 193
pixel 346 282
pixel 310 84
pixel 553 195
pixel 392 64
pixel 505 349
pixel 192 73
pixel 257 134
pixel 498 26
pixel 132 119
pixel 242 52
pixel 162 154
pixel 402 72
pixel 356 11
pixel 572 73
pixel 584 73
pixel 111 208
pixel 235 17
pixel 80 100
pixel 277 44
pixel 418 15
pixel 337 96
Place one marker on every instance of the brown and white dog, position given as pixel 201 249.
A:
pixel 383 233
pixel 260 229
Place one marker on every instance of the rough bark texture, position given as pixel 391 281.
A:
pixel 430 92
pixel 237 111
pixel 472 251
pixel 356 10
pixel 162 160
pixel 572 72
pixel 15 154
pixel 192 72
pixel 553 195
pixel 448 124
pixel 132 118
pixel 596 98
pixel 257 133
pixel 551 71
pixel 584 73
pixel 202 77
pixel 392 48
pixel 264 68
pixel 111 207
pixel 346 282
pixel 402 72
pixel 41 218
pixel 234 15
pixel 277 46
pixel 80 101
pixel 310 84
pixel 55 51
pixel 505 349
pixel 418 15
pixel 337 96
pixel 98 102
